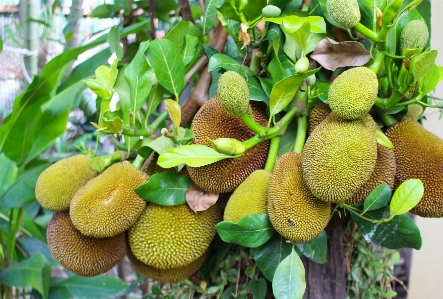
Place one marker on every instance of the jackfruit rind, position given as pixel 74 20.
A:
pixel 384 173
pixel 233 93
pixel 293 210
pixel 346 13
pixel 167 237
pixel 166 275
pixel 419 155
pixel 249 198
pixel 318 114
pixel 339 157
pixel 108 205
pixel 212 122
pixel 85 256
pixel 353 93
pixel 58 183
pixel 414 35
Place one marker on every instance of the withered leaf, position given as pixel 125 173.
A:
pixel 332 54
pixel 244 36
pixel 199 199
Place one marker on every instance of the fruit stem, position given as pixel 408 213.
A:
pixel 302 127
pixel 367 32
pixel 378 59
pixel 272 154
pixel 251 142
pixel 150 129
pixel 250 122
pixel 280 128
pixel 138 162
pixel 387 119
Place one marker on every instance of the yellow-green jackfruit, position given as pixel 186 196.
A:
pixel 85 256
pixel 108 205
pixel 353 93
pixel 318 114
pixel 167 237
pixel 57 185
pixel 233 93
pixel 339 157
pixel 249 198
pixel 346 13
pixel 419 155
pixel 212 122
pixel 414 35
pixel 293 211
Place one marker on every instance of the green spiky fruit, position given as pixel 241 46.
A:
pixel 233 93
pixel 212 122
pixel 345 13
pixel 249 198
pixel 166 275
pixel 353 93
pixel 414 35
pixel 339 157
pixel 419 155
pixel 85 256
pixel 293 211
pixel 57 184
pixel 318 114
pixel 167 237
pixel 108 205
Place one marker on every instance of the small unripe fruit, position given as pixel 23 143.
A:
pixel 414 35
pixel 311 80
pixel 233 93
pixel 345 13
pixel 271 11
pixel 302 65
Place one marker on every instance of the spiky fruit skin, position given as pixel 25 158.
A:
pixel 293 211
pixel 166 275
pixel 212 122
pixel 108 205
pixel 339 157
pixel 419 155
pixel 58 183
pixel 85 256
pixel 249 198
pixel 233 93
pixel 414 35
pixel 318 114
pixel 353 93
pixel 167 237
pixel 384 173
pixel 346 13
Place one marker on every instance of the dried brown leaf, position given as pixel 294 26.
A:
pixel 199 199
pixel 244 35
pixel 332 54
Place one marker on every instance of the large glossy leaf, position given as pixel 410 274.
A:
pixel 250 231
pixel 378 198
pixel 97 287
pixel 160 144
pixel 315 249
pixel 168 65
pixel 191 51
pixel 34 271
pixel 407 196
pixel 289 278
pixel 229 64
pixel 8 174
pixel 430 79
pixel 178 34
pixel 209 15
pixel 256 92
pixel 165 188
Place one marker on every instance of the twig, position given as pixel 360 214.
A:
pixel 185 10
pixel 152 9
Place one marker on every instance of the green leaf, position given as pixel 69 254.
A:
pixel 300 36
pixel 161 143
pixel 440 70
pixel 399 232
pixel 8 175
pixel 269 255
pixel 383 140
pixel 389 294
pixel 97 88
pixel 154 99
pixel 229 64
pixel 284 90
pixel 209 15
pixel 194 155
pixel 256 92
pixel 275 69
pixel 33 246
pixel 250 231
pixel 366 12
pixel 289 278
pixel 430 79
pixel 138 77
pixel 96 287
pixel 105 11
pixel 23 190
pixel 174 111
pixel 34 271
pixel 165 188
pixel 191 50
pixel 315 249
pixel 258 288
pixel 421 64
pixel 106 77
pixel 292 23
pixel 114 42
pixel 113 121
pixel 378 198
pixel 287 141
pixel 407 196
pixel 178 34
pixel 168 65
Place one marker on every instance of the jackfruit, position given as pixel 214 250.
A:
pixel 414 35
pixel 419 155
pixel 212 122
pixel 167 237
pixel 353 93
pixel 108 205
pixel 85 256
pixel 318 114
pixel 345 13
pixel 384 173
pixel 339 157
pixel 233 93
pixel 293 211
pixel 58 183
pixel 166 275
pixel 249 198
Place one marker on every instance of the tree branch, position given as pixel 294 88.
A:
pixel 152 9
pixel 185 10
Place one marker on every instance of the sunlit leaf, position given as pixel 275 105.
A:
pixel 293 23
pixel 383 140
pixel 174 110
pixel 407 196
pixel 289 278
pixel 161 143
pixel 422 63
pixel 430 79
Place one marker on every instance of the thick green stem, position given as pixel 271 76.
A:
pixel 272 154
pixel 138 162
pixel 367 32
pixel 251 142
pixel 283 124
pixel 302 128
pixel 378 59
pixel 150 129
pixel 255 127
pixel 387 119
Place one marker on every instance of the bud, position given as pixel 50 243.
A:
pixel 271 11
pixel 302 65
pixel 311 80
pixel 228 146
